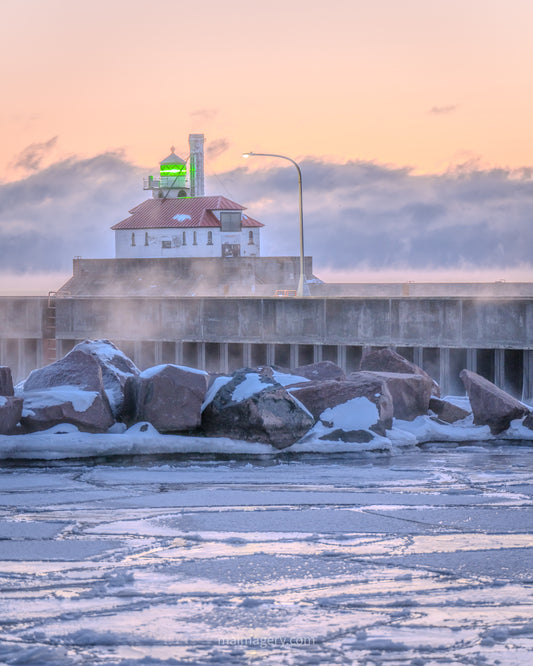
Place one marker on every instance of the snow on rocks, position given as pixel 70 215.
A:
pixel 410 393
pixel 256 408
pixel 491 405
pixel 169 396
pixel 116 368
pixel 318 396
pixel 87 410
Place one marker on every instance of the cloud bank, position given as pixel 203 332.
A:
pixel 358 215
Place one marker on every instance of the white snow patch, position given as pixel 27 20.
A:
pixel 251 385
pixel 3 400
pixel 150 372
pixel 286 379
pixel 181 217
pixel 81 400
pixel 213 390
pixel 355 414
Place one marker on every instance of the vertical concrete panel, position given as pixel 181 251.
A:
pixel 444 380
pixel 499 367
pixel 527 382
pixel 317 353
pixel 471 359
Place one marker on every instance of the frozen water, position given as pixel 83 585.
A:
pixel 418 558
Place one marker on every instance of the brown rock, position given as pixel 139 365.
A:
pixel 320 371
pixel 46 408
pixel 10 413
pixel 410 393
pixel 116 369
pixel 75 369
pixel 387 360
pixel 170 397
pixel 255 408
pixel 317 396
pixel 6 381
pixel 491 405
pixel 447 411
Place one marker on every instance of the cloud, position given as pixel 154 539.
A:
pixel 358 216
pixel 443 110
pixel 65 210
pixel 204 114
pixel 216 148
pixel 31 157
pixel 366 215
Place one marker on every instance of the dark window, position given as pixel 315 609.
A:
pixel 133 239
pixel 230 220
pixel 146 238
pixel 250 238
pixel 184 238
pixel 210 238
pixel 194 241
pixel 166 245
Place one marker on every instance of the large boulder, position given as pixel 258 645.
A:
pixel 410 393
pixel 169 397
pixel 70 390
pixel 87 410
pixel 318 396
pixel 116 369
pixel 255 408
pixel 75 369
pixel 447 411
pixel 387 360
pixel 6 381
pixel 321 371
pixel 10 413
pixel 491 405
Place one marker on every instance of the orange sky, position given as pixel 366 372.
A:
pixel 424 83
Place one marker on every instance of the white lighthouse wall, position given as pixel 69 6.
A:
pixel 154 243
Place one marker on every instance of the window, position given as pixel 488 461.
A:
pixel 133 239
pixel 194 241
pixel 166 245
pixel 230 220
pixel 250 238
pixel 210 238
pixel 146 238
pixel 184 238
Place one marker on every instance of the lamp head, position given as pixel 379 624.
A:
pixel 247 155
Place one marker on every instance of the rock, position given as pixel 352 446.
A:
pixel 10 413
pixel 169 397
pixel 76 369
pixel 410 393
pixel 6 381
pixel 320 371
pixel 254 408
pixel 356 436
pixel 87 410
pixel 528 421
pixel 387 360
pixel 317 396
pixel 447 411
pixel 116 368
pixel 491 405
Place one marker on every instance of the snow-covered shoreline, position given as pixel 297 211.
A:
pixel 66 441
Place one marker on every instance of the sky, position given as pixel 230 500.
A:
pixel 410 120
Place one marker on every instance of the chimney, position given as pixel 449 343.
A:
pixel 196 149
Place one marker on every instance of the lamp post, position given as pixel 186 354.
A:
pixel 303 289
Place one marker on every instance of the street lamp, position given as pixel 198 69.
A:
pixel 303 289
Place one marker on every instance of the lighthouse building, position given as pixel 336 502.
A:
pixel 180 221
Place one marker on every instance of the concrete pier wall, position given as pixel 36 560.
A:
pixel 444 335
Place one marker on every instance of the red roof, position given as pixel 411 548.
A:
pixel 181 213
